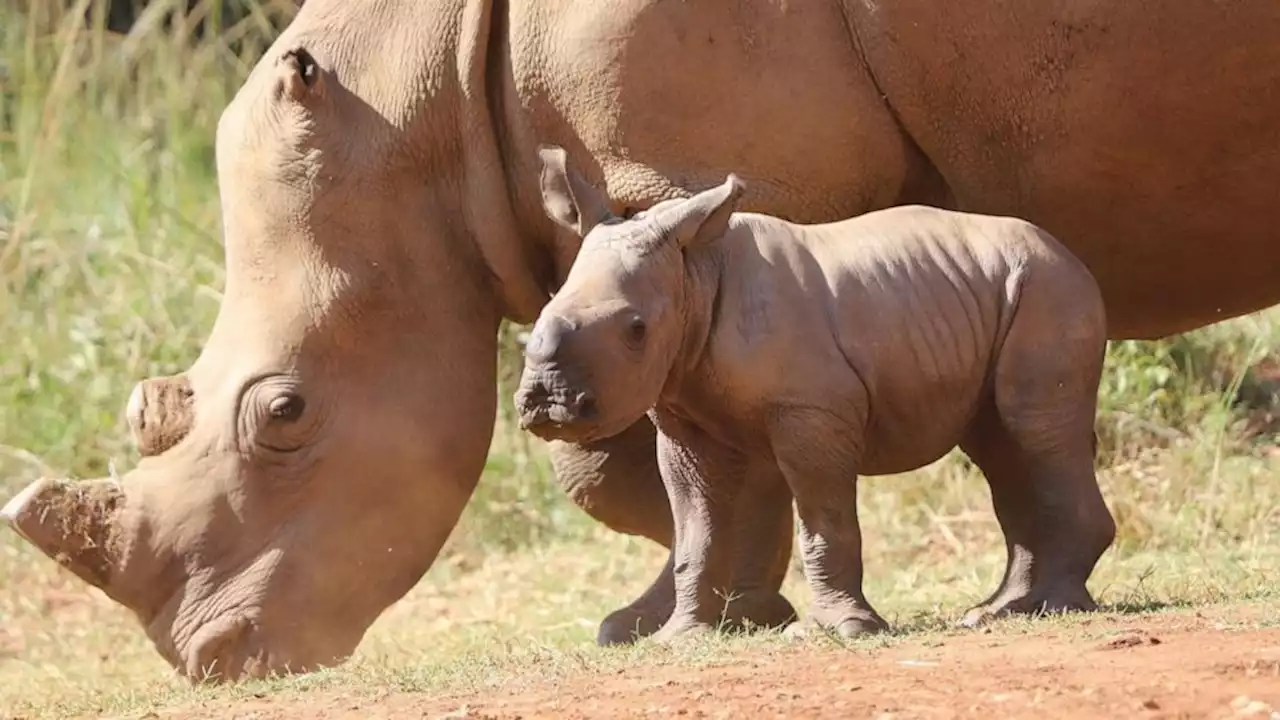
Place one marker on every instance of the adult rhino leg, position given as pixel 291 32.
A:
pixel 616 481
pixel 160 413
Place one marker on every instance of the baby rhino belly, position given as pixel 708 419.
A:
pixel 914 422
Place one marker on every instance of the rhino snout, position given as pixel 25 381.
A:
pixel 538 405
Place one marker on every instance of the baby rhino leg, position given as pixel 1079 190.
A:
pixel 761 556
pixel 762 535
pixel 616 480
pixel 819 462
pixel 703 480
pixel 1035 445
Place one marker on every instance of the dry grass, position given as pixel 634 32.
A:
pixel 110 271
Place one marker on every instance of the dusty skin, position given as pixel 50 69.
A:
pixel 1218 662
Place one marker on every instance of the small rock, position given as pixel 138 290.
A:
pixel 1150 704
pixel 1245 706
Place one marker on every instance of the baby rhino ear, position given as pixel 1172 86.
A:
pixel 703 217
pixel 567 197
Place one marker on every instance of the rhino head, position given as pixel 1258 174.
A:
pixel 601 351
pixel 305 471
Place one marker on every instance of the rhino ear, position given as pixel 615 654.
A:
pixel 703 217
pixel 567 197
pixel 298 75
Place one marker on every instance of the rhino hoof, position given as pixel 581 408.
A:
pixel 681 630
pixel 1058 601
pixel 847 628
pixel 628 625
pixel 760 610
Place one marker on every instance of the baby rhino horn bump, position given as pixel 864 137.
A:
pixel 72 522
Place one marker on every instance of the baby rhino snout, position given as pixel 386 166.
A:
pixel 552 402
pixel 541 406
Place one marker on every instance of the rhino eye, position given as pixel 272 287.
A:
pixel 287 407
pixel 636 330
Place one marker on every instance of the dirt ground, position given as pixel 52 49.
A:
pixel 1183 665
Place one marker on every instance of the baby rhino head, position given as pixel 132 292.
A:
pixel 601 350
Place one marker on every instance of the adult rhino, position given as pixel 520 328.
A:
pixel 379 180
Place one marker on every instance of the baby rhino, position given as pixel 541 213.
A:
pixel 813 354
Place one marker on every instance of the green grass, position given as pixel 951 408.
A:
pixel 111 270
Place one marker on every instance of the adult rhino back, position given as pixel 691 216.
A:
pixel 1144 134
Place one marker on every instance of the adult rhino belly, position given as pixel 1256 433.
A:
pixel 1145 135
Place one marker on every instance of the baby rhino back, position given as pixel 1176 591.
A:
pixel 927 299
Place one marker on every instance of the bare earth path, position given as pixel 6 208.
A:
pixel 1219 663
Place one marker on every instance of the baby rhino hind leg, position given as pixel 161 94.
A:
pixel 1035 444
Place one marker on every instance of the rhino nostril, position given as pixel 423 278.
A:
pixel 585 405
pixel 530 395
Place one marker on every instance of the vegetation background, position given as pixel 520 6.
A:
pixel 111 271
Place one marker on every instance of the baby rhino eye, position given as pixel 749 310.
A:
pixel 636 329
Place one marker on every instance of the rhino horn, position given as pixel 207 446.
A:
pixel 75 523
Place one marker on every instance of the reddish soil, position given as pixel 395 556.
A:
pixel 1180 665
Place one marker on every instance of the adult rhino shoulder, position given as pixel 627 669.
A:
pixel 378 173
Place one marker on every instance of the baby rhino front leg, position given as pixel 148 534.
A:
pixel 818 456
pixel 703 480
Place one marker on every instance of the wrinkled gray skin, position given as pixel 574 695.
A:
pixel 378 179
pixel 812 354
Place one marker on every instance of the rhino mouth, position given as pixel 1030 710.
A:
pixel 556 413
pixel 574 414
